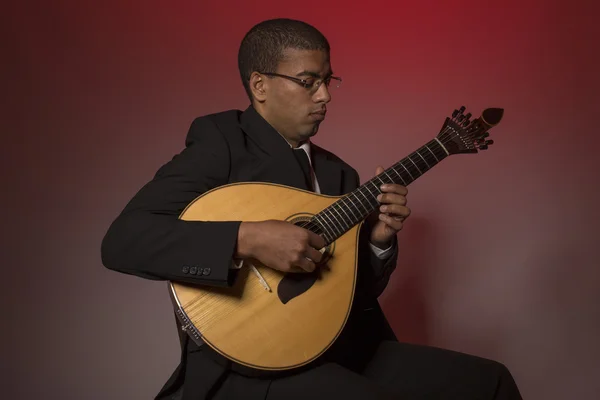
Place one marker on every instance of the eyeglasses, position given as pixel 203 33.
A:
pixel 312 84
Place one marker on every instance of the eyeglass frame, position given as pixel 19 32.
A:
pixel 303 82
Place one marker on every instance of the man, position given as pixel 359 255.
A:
pixel 286 71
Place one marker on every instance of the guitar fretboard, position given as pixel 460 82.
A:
pixel 351 209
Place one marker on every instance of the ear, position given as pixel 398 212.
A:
pixel 258 87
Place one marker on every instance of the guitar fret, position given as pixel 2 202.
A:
pixel 399 176
pixel 361 203
pixel 386 174
pixel 376 188
pixel 439 149
pixel 329 227
pixel 414 167
pixel 423 158
pixel 349 210
pixel 344 203
pixel 432 153
pixel 368 201
pixel 409 174
pixel 442 146
pixel 342 218
pixel 337 219
pixel 314 223
pixel 328 237
pixel 332 222
pixel 420 172
pixel 323 226
pixel 358 209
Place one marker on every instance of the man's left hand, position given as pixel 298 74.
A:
pixel 387 221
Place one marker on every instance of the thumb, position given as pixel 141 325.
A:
pixel 379 170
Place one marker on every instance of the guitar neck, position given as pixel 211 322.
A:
pixel 355 206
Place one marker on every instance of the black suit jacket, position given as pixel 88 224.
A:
pixel 148 239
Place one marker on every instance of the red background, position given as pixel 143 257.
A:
pixel 498 259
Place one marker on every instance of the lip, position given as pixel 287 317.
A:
pixel 318 115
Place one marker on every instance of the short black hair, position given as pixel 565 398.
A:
pixel 262 47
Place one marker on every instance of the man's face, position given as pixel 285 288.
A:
pixel 293 110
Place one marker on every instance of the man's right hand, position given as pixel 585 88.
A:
pixel 279 245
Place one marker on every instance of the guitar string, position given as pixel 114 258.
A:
pixel 314 223
pixel 434 161
pixel 383 178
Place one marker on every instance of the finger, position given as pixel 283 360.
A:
pixel 314 255
pixel 297 270
pixel 395 210
pixel 315 241
pixel 393 223
pixel 394 188
pixel 392 198
pixel 306 265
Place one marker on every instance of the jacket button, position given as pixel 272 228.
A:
pixel 193 270
pixel 185 269
pixel 206 271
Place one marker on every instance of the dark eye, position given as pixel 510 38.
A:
pixel 309 82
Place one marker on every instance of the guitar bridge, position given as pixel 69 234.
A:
pixel 188 327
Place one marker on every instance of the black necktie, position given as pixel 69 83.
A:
pixel 302 158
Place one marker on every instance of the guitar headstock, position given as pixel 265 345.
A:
pixel 460 134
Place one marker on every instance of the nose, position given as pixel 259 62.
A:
pixel 322 94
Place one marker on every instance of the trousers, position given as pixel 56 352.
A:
pixel 396 371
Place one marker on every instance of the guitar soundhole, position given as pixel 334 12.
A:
pixel 304 221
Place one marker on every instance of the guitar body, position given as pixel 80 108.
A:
pixel 295 322
pixel 247 323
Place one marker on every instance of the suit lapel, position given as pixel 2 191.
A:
pixel 282 163
pixel 288 171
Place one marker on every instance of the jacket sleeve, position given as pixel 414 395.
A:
pixel 148 239
pixel 378 270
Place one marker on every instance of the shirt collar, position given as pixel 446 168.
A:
pixel 304 146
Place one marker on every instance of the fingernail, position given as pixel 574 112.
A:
pixel 379 197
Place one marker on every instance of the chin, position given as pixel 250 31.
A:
pixel 308 132
pixel 308 135
pixel 314 130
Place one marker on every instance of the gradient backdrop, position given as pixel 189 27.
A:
pixel 500 255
